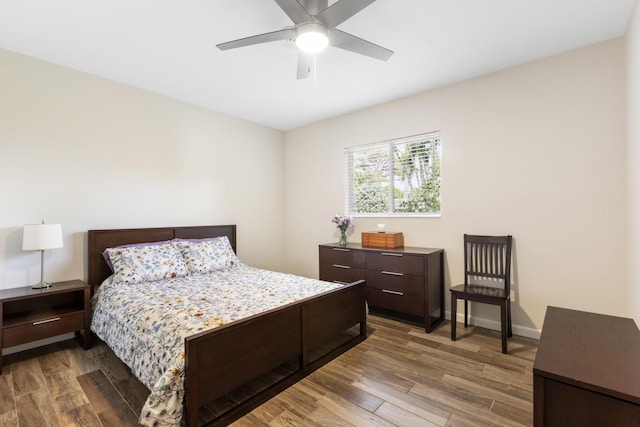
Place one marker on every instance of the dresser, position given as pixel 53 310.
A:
pixel 405 283
pixel 586 371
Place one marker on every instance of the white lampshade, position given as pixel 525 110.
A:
pixel 38 237
pixel 312 38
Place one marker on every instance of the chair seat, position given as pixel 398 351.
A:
pixel 469 291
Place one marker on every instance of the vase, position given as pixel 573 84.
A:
pixel 343 237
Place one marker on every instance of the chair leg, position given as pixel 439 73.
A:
pixel 503 325
pixel 454 309
pixel 465 313
pixel 509 317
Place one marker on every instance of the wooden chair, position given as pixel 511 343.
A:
pixel 485 257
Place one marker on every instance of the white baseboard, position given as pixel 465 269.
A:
pixel 522 331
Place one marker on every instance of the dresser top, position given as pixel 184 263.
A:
pixel 401 250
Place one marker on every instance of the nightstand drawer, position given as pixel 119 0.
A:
pixel 43 328
pixel 343 256
pixel 396 301
pixel 396 262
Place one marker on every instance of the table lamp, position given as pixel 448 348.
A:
pixel 39 237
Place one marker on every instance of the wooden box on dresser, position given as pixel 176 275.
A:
pixel 28 314
pixel 406 283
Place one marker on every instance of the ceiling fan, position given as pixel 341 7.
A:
pixel 315 28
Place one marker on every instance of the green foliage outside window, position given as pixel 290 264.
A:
pixel 399 177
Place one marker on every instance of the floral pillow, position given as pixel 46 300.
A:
pixel 147 263
pixel 203 256
pixel 107 259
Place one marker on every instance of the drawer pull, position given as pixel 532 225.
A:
pixel 339 282
pixel 392 273
pixel 387 291
pixel 341 266
pixel 53 319
pixel 341 250
pixel 390 254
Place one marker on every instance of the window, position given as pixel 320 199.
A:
pixel 400 177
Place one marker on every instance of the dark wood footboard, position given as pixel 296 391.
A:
pixel 223 359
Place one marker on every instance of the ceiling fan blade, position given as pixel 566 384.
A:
pixel 305 61
pixel 286 34
pixel 355 44
pixel 294 11
pixel 342 10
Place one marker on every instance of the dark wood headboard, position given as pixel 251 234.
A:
pixel 99 240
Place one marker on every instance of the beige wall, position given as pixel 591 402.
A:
pixel 633 136
pixel 544 144
pixel 537 151
pixel 90 153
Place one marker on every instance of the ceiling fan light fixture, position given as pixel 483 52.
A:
pixel 312 38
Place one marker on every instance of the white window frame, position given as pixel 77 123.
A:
pixel 387 187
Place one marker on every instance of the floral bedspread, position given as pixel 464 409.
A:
pixel 145 324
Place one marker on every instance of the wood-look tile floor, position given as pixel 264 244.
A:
pixel 399 376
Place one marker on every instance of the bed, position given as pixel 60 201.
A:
pixel 233 368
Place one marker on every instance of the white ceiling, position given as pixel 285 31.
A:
pixel 168 47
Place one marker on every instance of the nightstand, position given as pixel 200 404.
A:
pixel 28 314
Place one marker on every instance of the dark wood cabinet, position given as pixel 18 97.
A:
pixel 28 314
pixel 586 371
pixel 406 283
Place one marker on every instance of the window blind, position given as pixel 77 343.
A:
pixel 398 177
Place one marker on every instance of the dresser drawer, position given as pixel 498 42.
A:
pixel 43 328
pixel 405 283
pixel 343 257
pixel 402 303
pixel 333 273
pixel 395 262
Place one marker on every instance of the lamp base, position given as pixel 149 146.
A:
pixel 42 285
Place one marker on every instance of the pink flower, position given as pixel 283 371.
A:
pixel 342 221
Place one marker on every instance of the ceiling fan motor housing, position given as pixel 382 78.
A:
pixel 312 37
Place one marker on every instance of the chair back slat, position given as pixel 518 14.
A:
pixel 488 257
